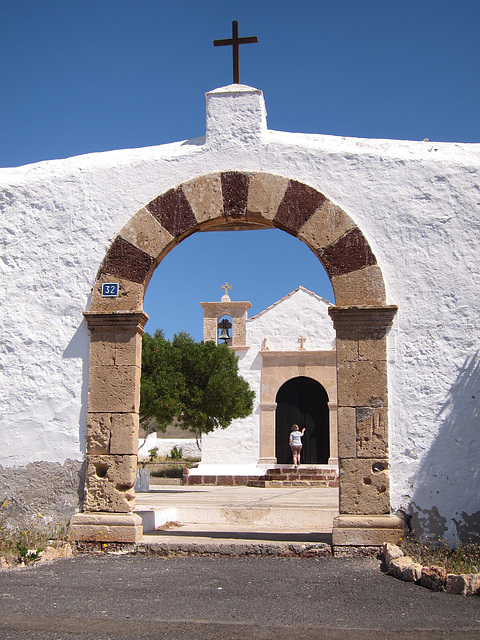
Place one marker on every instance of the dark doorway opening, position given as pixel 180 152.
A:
pixel 302 401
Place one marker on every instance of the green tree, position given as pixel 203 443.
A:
pixel 195 382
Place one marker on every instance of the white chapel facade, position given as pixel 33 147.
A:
pixel 287 355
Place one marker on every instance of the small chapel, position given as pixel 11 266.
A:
pixel 287 355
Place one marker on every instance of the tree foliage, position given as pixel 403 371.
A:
pixel 195 382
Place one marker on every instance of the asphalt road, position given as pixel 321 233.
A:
pixel 119 596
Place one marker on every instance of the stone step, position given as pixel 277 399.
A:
pixel 303 477
pixel 299 476
pixel 241 539
pixel 287 473
pixel 307 471
pixel 272 484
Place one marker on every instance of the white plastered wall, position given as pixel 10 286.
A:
pixel 417 203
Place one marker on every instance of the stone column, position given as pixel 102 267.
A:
pixel 365 517
pixel 267 433
pixel 112 429
pixel 333 429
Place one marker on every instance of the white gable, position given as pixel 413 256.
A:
pixel 300 313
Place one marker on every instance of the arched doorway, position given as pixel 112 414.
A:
pixel 302 401
pixel 227 201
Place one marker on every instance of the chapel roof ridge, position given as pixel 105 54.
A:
pixel 299 288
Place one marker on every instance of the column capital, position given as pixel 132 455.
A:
pixel 356 316
pixel 268 406
pixel 116 320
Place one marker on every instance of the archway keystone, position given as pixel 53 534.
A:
pixel 233 200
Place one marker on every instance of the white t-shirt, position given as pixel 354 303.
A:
pixel 296 438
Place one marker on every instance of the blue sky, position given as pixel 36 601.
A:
pixel 87 76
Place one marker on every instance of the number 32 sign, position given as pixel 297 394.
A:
pixel 109 289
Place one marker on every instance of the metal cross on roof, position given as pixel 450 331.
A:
pixel 226 286
pixel 234 41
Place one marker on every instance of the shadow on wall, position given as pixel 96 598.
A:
pixel 446 499
pixel 78 347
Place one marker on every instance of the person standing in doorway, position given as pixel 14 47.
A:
pixel 295 442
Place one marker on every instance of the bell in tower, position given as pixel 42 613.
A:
pixel 223 326
pixel 218 328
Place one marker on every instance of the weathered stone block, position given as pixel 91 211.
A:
pixel 124 439
pixel 235 192
pixel 173 212
pixel 364 486
pixel 372 432
pixel 366 530
pixel 128 348
pixel 405 569
pixel 346 432
pixel 146 233
pixel 130 296
pixel 298 205
pixel 265 194
pixel 102 348
pixel 106 527
pixel 433 578
pixel 347 345
pixel 115 346
pixel 99 431
pixel 326 225
pixel 114 389
pixel 205 197
pixel 363 287
pixel 109 483
pixel 112 433
pixel 362 384
pixel 374 537
pixel 126 261
pixel 351 252
pixel 372 344
pixel 391 552
pixel 465 584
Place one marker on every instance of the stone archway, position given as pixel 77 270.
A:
pixel 233 200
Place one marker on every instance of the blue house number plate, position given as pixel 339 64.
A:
pixel 109 289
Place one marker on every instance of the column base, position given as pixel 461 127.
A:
pixel 366 531
pixel 97 526
pixel 267 461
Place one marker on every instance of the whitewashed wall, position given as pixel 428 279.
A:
pixel 417 203
pixel 189 446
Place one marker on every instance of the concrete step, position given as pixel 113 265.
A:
pixel 231 538
pixel 283 517
pixel 293 509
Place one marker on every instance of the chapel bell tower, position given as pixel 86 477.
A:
pixel 226 321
